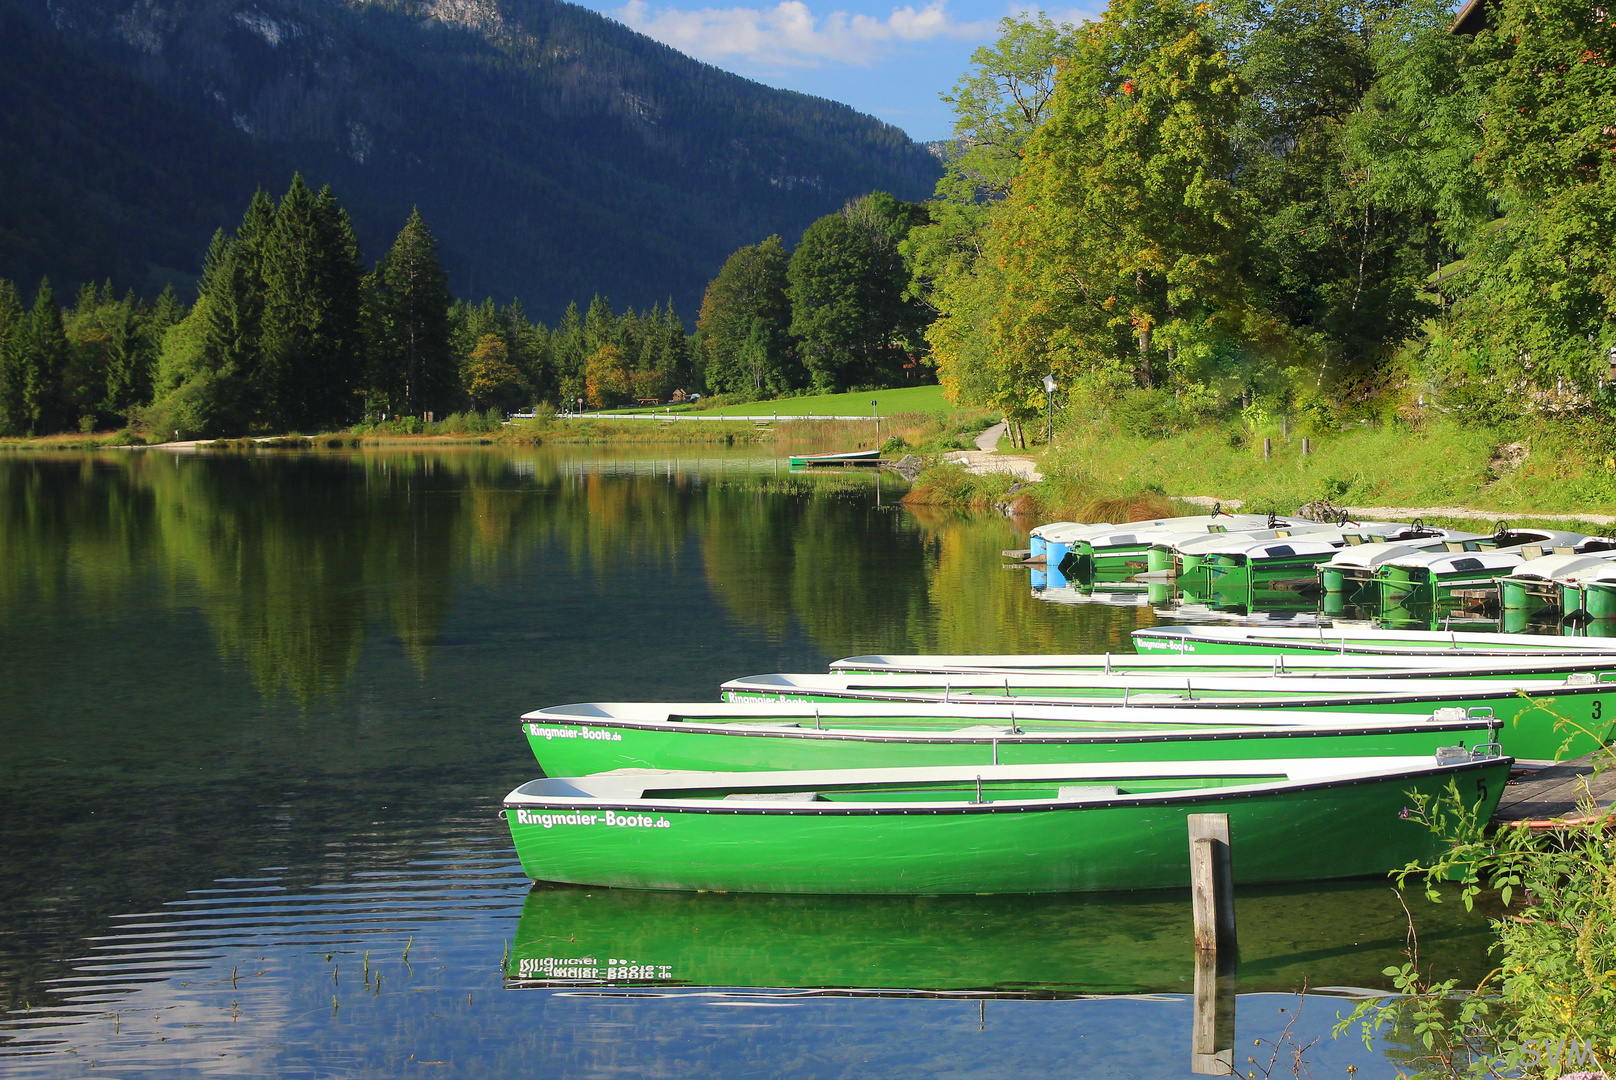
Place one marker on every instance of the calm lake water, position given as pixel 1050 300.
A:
pixel 258 713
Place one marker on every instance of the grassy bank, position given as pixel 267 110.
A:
pixel 895 434
pixel 907 399
pixel 1564 467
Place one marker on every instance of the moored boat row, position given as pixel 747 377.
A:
pixel 916 774
pixel 1251 561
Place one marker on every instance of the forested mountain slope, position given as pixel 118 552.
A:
pixel 555 153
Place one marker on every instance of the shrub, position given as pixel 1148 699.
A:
pixel 1148 414
pixel 1141 506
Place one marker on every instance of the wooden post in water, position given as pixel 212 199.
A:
pixel 1267 449
pixel 1212 882
pixel 1212 900
pixel 1212 1037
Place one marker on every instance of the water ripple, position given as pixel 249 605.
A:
pixel 195 982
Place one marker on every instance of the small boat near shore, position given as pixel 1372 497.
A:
pixel 1540 720
pixel 1062 543
pixel 1231 665
pixel 983 829
pixel 1365 640
pixel 1539 584
pixel 1351 570
pixel 847 459
pixel 1126 548
pixel 573 740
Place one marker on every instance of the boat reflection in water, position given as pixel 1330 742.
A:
pixel 1300 602
pixel 1337 935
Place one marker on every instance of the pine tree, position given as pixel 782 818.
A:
pixel 413 365
pixel 166 312
pixel 568 353
pixel 44 360
pixel 311 356
pixel 231 315
pixel 602 327
pixel 676 360
pixel 530 353
pixel 12 327
pixel 127 374
pixel 233 282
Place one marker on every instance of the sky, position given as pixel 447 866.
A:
pixel 891 62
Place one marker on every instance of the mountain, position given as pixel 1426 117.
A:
pixel 556 153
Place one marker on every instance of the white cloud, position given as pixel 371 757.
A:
pixel 790 34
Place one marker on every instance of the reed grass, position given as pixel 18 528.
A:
pixel 1569 467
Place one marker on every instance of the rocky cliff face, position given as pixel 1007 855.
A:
pixel 556 153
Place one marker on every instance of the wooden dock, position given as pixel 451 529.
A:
pixel 1542 797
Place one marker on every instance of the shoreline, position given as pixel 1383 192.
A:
pixel 1050 483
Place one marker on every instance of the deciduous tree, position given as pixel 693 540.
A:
pixel 748 301
pixel 606 378
pixel 850 314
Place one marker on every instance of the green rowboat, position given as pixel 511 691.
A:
pixel 1568 718
pixel 1231 665
pixel 574 740
pixel 1361 640
pixel 983 829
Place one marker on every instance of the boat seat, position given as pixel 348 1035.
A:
pixel 1353 539
pixel 775 796
pixel 1068 792
pixel 1565 549
pixel 1531 551
pixel 1453 545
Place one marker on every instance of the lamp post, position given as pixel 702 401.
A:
pixel 1049 409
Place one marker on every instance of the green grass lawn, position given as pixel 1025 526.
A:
pixel 908 399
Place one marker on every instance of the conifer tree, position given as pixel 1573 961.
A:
pixel 413 365
pixel 530 353
pixel 310 360
pixel 568 354
pixel 677 361
pixel 166 312
pixel 233 283
pixel 12 326
pixel 602 326
pixel 44 360
pixel 230 312
pixel 127 370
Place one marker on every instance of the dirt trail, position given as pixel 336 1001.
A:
pixel 1404 513
pixel 987 459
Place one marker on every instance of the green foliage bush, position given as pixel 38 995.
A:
pixel 1148 414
